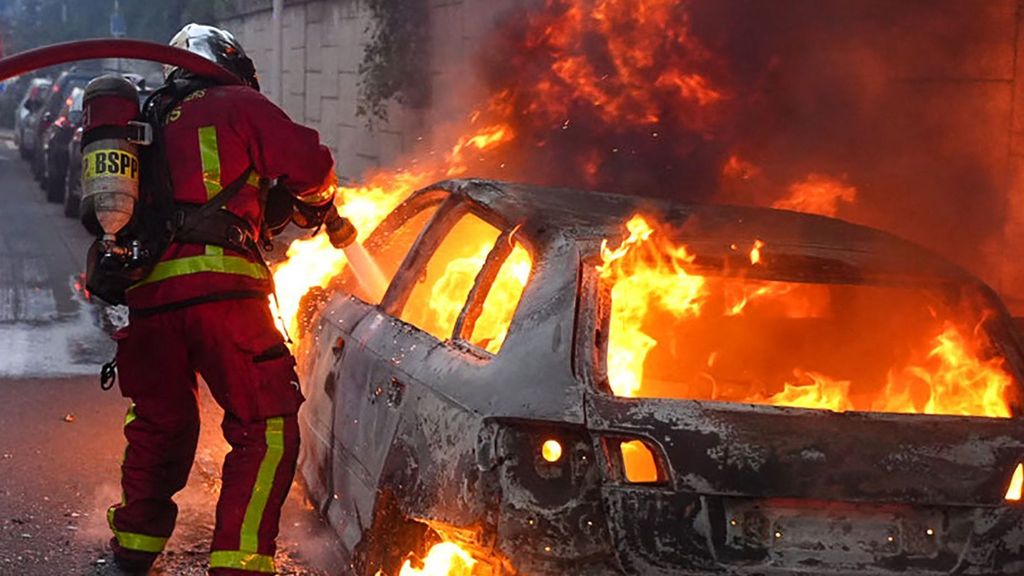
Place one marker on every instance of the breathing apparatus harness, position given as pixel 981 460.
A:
pixel 157 220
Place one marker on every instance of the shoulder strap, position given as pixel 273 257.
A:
pixel 213 205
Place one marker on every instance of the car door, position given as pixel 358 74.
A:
pixel 446 311
pixel 337 404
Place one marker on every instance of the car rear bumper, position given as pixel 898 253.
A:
pixel 575 516
pixel 678 534
pixel 682 534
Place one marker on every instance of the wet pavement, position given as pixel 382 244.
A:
pixel 60 437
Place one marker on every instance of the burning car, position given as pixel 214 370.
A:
pixel 560 382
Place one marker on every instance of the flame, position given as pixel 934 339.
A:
pixel 755 253
pixel 1013 492
pixel 313 262
pixel 625 59
pixel 957 381
pixel 496 317
pixel 817 194
pixel 649 71
pixel 444 559
pixel 948 377
pixel 483 140
pixel 821 392
pixel 643 272
pixel 740 169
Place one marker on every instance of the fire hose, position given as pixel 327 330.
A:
pixel 100 48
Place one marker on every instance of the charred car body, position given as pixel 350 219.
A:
pixel 517 444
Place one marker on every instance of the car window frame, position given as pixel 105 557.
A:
pixel 430 239
pixel 398 217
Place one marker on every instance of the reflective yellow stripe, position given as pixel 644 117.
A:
pixel 264 483
pixel 206 263
pixel 129 416
pixel 242 561
pixel 132 541
pixel 210 155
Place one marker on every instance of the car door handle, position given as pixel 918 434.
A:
pixel 396 393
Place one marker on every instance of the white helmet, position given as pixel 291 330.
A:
pixel 218 46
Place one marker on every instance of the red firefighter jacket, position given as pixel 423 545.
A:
pixel 211 138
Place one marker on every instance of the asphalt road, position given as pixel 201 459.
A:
pixel 60 437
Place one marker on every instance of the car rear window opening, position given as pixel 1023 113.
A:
pixel 683 332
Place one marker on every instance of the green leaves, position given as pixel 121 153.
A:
pixel 396 60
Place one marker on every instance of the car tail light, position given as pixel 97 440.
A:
pixel 1013 492
pixel 636 461
pixel 551 451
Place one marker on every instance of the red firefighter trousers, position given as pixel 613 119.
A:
pixel 235 347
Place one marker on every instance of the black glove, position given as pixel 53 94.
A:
pixel 306 216
pixel 278 211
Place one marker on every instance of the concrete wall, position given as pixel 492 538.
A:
pixel 324 39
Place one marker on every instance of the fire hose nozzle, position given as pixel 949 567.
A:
pixel 340 231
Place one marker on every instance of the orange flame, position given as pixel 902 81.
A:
pixel 821 392
pixel 956 380
pixel 444 559
pixel 651 59
pixel 314 261
pixel 646 270
pixel 755 252
pixel 642 272
pixel 817 194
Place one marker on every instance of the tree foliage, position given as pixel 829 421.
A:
pixel 396 61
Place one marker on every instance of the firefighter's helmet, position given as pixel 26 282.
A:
pixel 218 46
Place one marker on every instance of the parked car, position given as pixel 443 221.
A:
pixel 55 142
pixel 72 176
pixel 452 410
pixel 41 119
pixel 35 96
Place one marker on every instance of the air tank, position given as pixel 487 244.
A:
pixel 110 155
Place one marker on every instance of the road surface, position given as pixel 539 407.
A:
pixel 60 437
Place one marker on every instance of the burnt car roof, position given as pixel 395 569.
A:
pixel 588 217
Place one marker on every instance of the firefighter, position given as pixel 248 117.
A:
pixel 204 309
